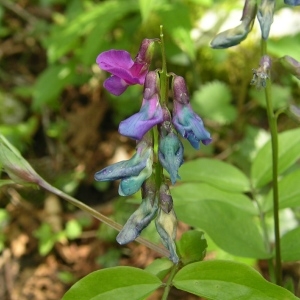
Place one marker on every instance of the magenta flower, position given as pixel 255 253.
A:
pixel 124 70
pixel 185 120
pixel 150 114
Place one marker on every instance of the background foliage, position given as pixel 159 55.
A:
pixel 55 111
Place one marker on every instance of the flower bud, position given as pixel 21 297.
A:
pixel 151 85
pixel 170 150
pixel 292 2
pixel 166 226
pixel 185 120
pixel 17 168
pixel 291 65
pixel 265 16
pixel 139 220
pixel 149 189
pixel 146 51
pixel 132 172
pixel 234 36
pixel 165 198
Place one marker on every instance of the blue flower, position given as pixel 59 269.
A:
pixel 150 114
pixel 132 172
pixel 185 120
pixel 139 220
pixel 170 150
pixel 265 16
pixel 236 35
pixel 292 2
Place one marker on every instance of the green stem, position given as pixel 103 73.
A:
pixel 164 78
pixel 99 216
pixel 173 272
pixel 274 142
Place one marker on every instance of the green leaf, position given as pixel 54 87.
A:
pixel 145 8
pixel 50 83
pixel 94 45
pixel 288 154
pixel 227 218
pixel 288 192
pixel 215 172
pixel 226 280
pixel 192 246
pixel 66 38
pixel 73 229
pixel 290 245
pixel 114 283
pixel 284 45
pixel 181 29
pixel 160 267
pixel 283 93
pixel 220 109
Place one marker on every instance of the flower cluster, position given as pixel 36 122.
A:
pixel 145 169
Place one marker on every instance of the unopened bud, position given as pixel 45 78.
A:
pixel 265 16
pixel 165 198
pixel 292 2
pixel 166 225
pixel 151 85
pixel 291 65
pixel 139 220
pixel 148 189
pixel 146 51
pixel 234 36
pixel 17 168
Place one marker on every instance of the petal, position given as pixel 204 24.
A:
pixel 115 85
pixel 119 63
pixel 166 226
pixel 292 2
pixel 190 125
pixel 138 72
pixel 170 154
pixel 114 59
pixel 140 219
pixel 137 125
pixel 122 169
pixel 131 185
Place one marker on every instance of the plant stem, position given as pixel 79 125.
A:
pixel 99 216
pixel 274 142
pixel 164 78
pixel 173 272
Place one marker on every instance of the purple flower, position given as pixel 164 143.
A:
pixel 132 172
pixel 150 114
pixel 124 70
pixel 185 120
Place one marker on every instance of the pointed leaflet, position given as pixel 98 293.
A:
pixel 114 284
pixel 217 173
pixel 228 218
pixel 288 153
pixel 227 280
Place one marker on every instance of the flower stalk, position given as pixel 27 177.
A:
pixel 272 120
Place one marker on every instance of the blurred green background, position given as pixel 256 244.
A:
pixel 54 109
